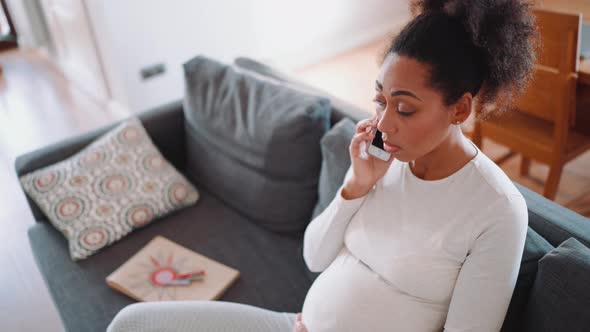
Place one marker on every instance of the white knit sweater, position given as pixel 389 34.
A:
pixel 416 255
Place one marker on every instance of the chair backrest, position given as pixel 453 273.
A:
pixel 551 94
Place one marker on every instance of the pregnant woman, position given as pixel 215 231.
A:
pixel 432 239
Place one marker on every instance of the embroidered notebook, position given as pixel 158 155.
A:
pixel 166 271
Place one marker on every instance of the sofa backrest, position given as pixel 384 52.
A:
pixel 554 222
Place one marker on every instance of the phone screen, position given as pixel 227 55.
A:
pixel 378 141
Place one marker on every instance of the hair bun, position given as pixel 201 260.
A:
pixel 506 33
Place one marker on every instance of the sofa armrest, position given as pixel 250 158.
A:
pixel 164 124
pixel 554 222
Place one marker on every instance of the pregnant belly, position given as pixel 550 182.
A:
pixel 348 296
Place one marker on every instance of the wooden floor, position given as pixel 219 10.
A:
pixel 39 106
pixel 351 76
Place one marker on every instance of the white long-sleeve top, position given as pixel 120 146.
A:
pixel 415 255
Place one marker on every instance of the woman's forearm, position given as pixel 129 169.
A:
pixel 324 236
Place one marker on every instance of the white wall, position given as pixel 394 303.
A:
pixel 306 31
pixel 136 33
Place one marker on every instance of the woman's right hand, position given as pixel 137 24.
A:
pixel 299 326
pixel 365 173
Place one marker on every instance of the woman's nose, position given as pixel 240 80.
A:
pixel 386 125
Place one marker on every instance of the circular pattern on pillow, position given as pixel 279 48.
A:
pixel 78 181
pixel 46 181
pixel 70 208
pixel 129 135
pixel 179 194
pixel 94 158
pixel 115 185
pixel 153 163
pixel 94 238
pixel 139 215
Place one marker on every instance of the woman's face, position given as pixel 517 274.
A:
pixel 412 115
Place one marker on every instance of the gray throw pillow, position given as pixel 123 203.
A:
pixel 560 298
pixel 254 143
pixel 335 162
pixel 340 108
pixel 535 247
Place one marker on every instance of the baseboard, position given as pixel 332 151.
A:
pixel 333 46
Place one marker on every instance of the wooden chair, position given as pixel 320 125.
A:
pixel 540 125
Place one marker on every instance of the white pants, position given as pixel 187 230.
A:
pixel 196 316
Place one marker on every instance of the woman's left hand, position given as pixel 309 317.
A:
pixel 299 327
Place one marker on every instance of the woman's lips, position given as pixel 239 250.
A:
pixel 390 147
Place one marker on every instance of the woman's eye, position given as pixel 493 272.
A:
pixel 379 103
pixel 404 110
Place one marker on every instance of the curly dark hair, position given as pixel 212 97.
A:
pixel 486 47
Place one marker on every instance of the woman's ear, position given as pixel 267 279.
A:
pixel 462 108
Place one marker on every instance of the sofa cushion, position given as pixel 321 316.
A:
pixel 118 183
pixel 270 276
pixel 560 296
pixel 335 162
pixel 254 143
pixel 340 109
pixel 535 247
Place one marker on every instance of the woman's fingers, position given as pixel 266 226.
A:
pixel 357 139
pixel 366 123
pixel 299 327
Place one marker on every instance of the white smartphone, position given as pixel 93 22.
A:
pixel 376 147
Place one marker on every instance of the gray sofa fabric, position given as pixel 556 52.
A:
pixel 553 221
pixel 271 273
pixel 535 247
pixel 335 162
pixel 560 299
pixel 254 143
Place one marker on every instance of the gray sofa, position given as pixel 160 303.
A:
pixel 273 274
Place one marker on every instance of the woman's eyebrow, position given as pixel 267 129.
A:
pixel 404 93
pixel 379 86
pixel 398 92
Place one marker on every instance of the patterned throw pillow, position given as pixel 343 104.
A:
pixel 118 183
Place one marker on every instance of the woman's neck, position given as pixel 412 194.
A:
pixel 447 158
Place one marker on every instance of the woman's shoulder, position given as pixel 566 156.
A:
pixel 493 178
pixel 504 204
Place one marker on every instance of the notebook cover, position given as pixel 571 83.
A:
pixel 145 276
